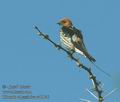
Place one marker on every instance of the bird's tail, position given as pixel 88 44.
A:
pixel 85 54
pixel 92 59
pixel 101 69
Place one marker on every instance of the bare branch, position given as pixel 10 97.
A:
pixel 92 77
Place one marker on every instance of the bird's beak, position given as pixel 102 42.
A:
pixel 59 23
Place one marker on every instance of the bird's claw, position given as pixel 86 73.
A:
pixel 78 63
pixel 57 46
pixel 70 55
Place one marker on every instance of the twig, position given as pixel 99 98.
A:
pixel 92 77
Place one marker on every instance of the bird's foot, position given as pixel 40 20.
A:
pixel 70 55
pixel 78 63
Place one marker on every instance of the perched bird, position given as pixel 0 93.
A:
pixel 72 39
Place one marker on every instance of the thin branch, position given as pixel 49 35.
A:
pixel 92 77
pixel 84 100
pixel 92 94
pixel 111 92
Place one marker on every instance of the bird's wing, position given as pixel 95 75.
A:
pixel 78 39
pixel 84 45
pixel 79 44
pixel 69 32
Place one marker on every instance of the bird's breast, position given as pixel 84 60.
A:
pixel 66 41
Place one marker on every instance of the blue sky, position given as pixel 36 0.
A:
pixel 27 59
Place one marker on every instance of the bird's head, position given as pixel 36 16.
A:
pixel 65 22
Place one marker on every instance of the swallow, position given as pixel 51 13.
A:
pixel 72 39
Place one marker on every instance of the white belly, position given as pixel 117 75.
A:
pixel 66 41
